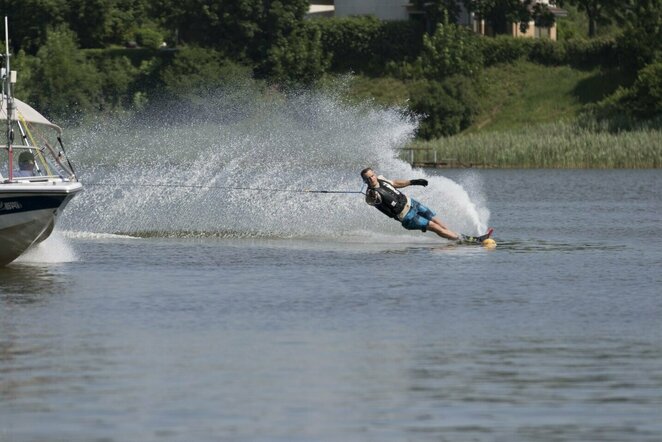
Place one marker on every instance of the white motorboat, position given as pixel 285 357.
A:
pixel 36 179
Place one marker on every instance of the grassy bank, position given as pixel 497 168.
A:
pixel 511 95
pixel 554 145
pixel 523 93
pixel 530 117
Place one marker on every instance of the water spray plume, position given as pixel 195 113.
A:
pixel 204 176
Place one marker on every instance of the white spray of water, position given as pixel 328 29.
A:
pixel 55 249
pixel 94 236
pixel 310 140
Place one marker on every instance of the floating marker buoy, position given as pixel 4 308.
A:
pixel 489 243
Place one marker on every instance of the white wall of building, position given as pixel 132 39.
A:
pixel 383 9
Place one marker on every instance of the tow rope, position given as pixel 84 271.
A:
pixel 202 186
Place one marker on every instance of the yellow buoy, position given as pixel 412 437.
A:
pixel 489 243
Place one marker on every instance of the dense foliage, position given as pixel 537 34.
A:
pixel 643 100
pixel 366 44
pixel 448 106
pixel 59 67
pixel 598 12
pixel 98 55
pixel 500 14
pixel 451 50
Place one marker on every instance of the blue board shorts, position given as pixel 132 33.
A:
pixel 418 217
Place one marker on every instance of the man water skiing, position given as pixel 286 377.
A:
pixel 385 196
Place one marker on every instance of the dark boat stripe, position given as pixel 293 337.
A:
pixel 28 203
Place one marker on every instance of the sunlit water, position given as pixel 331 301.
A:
pixel 206 314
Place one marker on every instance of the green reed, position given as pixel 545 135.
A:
pixel 558 145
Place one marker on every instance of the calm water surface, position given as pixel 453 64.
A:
pixel 554 336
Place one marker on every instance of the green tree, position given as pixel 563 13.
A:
pixel 350 40
pixel 239 28
pixel 501 14
pixel 598 12
pixel 149 37
pixel 126 16
pixel 447 107
pixel 646 92
pixel 298 58
pixel 229 26
pixel 95 22
pixel 90 20
pixel 29 21
pixel 641 101
pixel 66 84
pixel 641 41
pixel 195 70
pixel 438 11
pixel 202 83
pixel 26 84
pixel 542 16
pixel 452 50
pixel 117 77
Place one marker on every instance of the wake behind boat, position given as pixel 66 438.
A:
pixel 36 179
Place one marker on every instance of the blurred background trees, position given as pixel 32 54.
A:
pixel 103 55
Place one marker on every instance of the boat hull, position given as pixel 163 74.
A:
pixel 28 216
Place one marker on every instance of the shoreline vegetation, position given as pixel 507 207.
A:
pixel 499 101
pixel 531 116
pixel 562 145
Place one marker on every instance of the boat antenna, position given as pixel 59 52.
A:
pixel 7 78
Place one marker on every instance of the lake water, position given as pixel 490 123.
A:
pixel 362 331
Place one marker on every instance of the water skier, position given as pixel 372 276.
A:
pixel 385 196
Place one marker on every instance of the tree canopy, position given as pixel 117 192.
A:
pixel 598 12
pixel 77 50
pixel 499 14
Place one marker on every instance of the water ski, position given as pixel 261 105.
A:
pixel 484 240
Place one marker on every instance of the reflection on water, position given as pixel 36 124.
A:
pixel 22 345
pixel 29 283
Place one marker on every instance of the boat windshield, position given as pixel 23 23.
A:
pixel 36 156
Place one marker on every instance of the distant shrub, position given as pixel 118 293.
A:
pixel 405 70
pixel 643 100
pixel 451 50
pixel 574 52
pixel 639 44
pixel 297 59
pixel 367 44
pixel 504 49
pixel 118 77
pixel 137 56
pixel 349 41
pixel 194 71
pixel 647 91
pixel 26 85
pixel 197 84
pixel 149 37
pixel 448 107
pixel 590 53
pixel 64 83
pixel 547 52
pixel 637 48
pixel 399 40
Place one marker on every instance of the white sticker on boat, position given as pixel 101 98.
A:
pixel 10 205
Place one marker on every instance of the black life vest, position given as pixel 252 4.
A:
pixel 390 201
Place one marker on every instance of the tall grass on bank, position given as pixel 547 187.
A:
pixel 557 145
